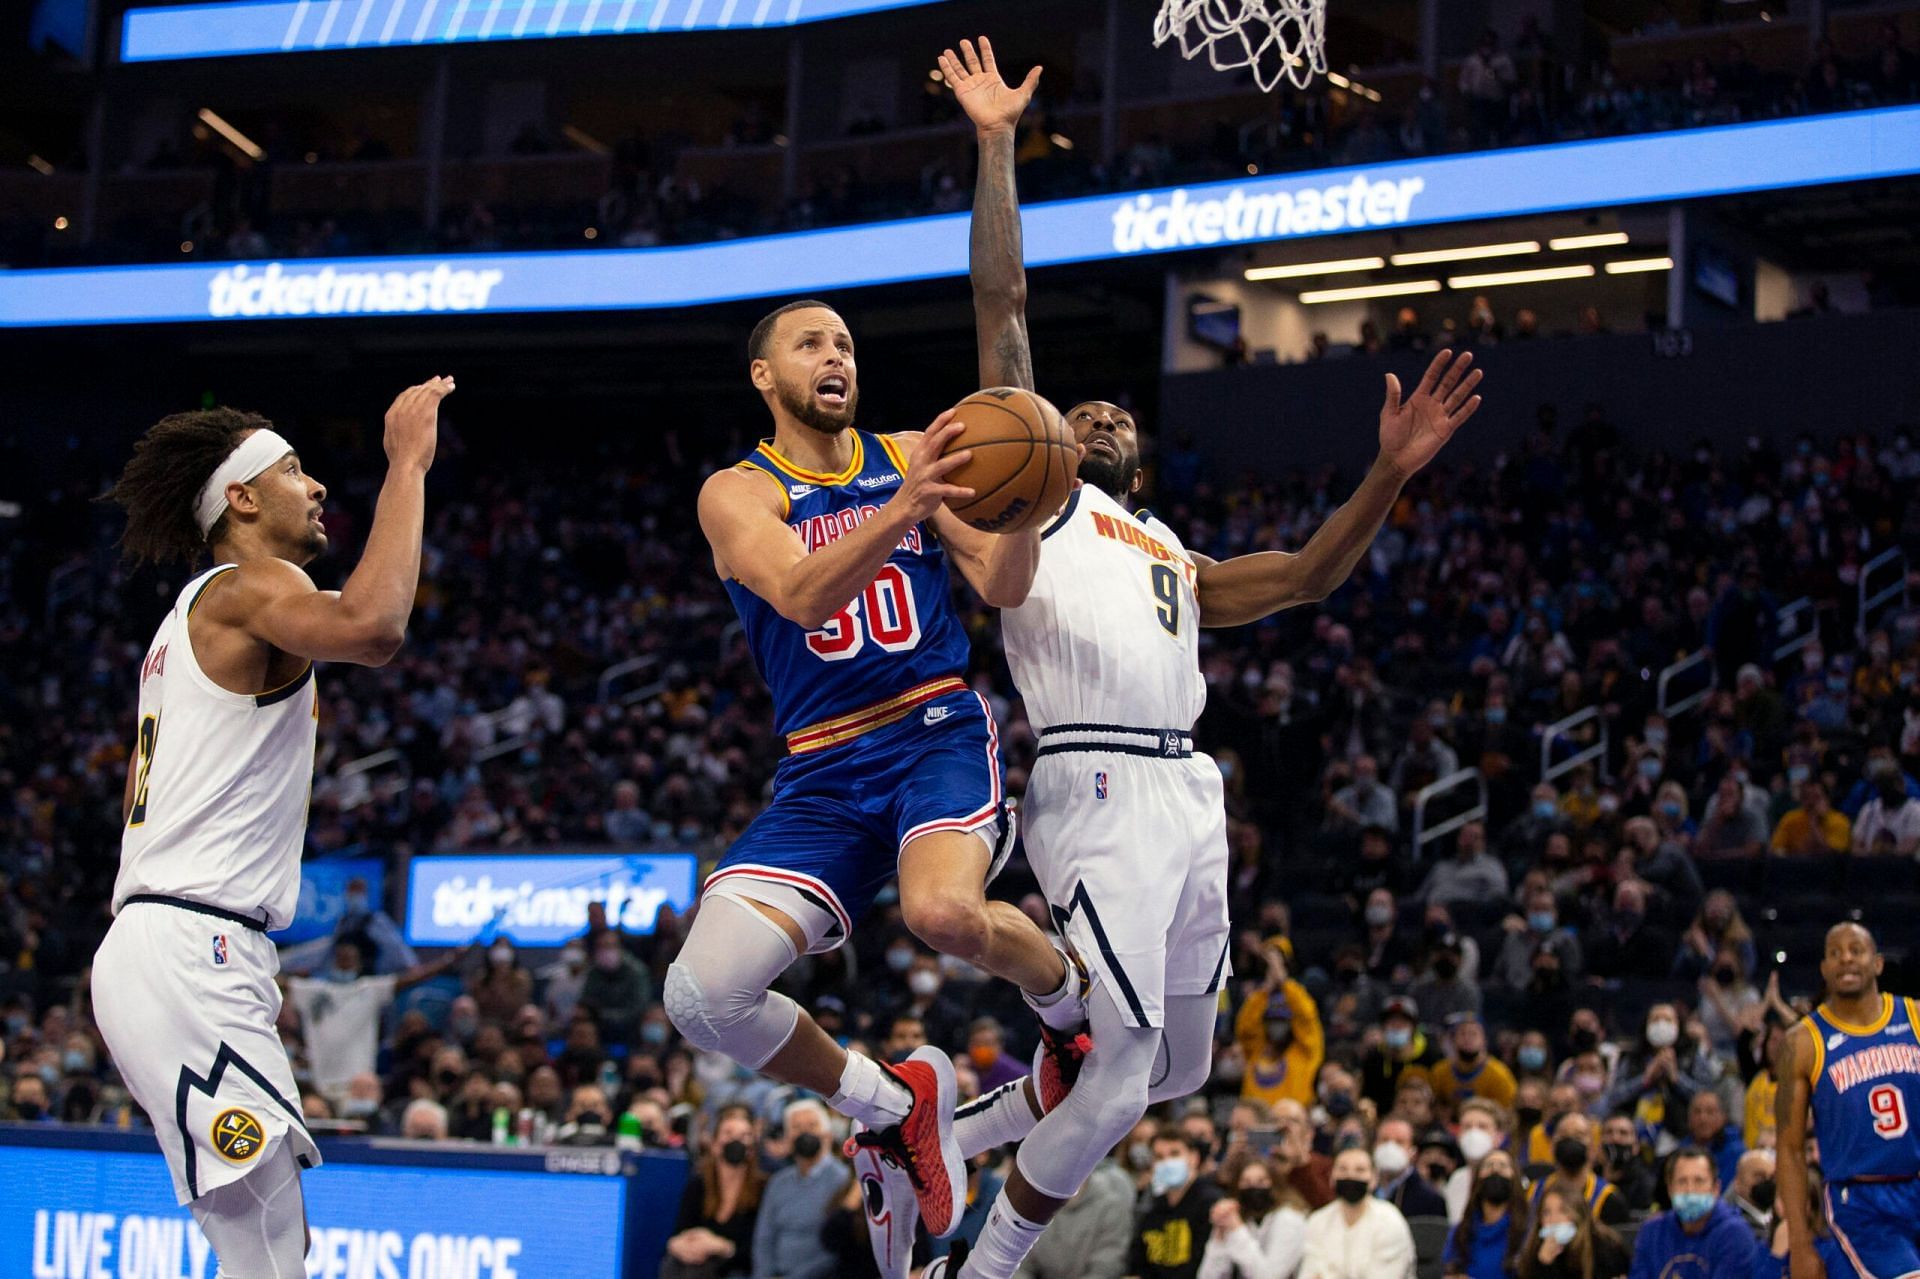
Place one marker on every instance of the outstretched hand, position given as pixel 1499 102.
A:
pixel 975 80
pixel 1413 430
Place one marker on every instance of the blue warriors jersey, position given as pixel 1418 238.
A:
pixel 1866 1092
pixel 893 647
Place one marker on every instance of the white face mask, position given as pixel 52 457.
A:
pixel 1391 1158
pixel 923 983
pixel 1476 1144
pixel 1663 1033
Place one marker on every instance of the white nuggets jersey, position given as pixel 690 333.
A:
pixel 221 782
pixel 1110 632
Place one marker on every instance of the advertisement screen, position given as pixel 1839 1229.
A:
pixel 1606 173
pixel 102 1214
pixel 323 895
pixel 541 900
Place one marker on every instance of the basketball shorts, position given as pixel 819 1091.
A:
pixel 1877 1224
pixel 832 837
pixel 1126 832
pixel 186 1002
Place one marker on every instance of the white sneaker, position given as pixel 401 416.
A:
pixel 892 1208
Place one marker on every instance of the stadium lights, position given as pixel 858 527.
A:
pixel 1467 254
pixel 1061 140
pixel 1359 292
pixel 1519 277
pixel 1604 239
pixel 584 140
pixel 213 120
pixel 1633 266
pixel 41 166
pixel 1339 81
pixel 1334 267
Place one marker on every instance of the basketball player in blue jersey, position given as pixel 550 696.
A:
pixel 1855 1063
pixel 834 545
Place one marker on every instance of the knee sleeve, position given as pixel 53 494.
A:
pixel 716 992
pixel 258 1224
pixel 1105 1104
pixel 1186 1048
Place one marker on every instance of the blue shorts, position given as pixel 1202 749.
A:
pixel 831 838
pixel 1877 1224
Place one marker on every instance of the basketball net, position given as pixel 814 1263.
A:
pixel 1277 39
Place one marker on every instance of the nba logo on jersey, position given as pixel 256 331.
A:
pixel 219 948
pixel 1099 785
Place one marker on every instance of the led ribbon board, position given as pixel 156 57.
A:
pixel 239 27
pixel 1816 150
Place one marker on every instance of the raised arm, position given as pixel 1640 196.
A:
pixel 365 621
pixel 1249 587
pixel 1793 1069
pixel 745 521
pixel 998 269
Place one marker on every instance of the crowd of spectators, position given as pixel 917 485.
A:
pixel 1515 93
pixel 1512 1028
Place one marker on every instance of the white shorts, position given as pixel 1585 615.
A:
pixel 187 1003
pixel 1131 852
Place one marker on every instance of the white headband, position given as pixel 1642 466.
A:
pixel 256 453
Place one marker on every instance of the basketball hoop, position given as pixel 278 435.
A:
pixel 1277 39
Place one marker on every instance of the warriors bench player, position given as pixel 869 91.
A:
pixel 216 797
pixel 1105 651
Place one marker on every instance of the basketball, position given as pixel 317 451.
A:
pixel 1023 460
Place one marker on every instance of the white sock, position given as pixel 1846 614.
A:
pixel 1005 1241
pixel 1062 1009
pixel 999 1118
pixel 870 1094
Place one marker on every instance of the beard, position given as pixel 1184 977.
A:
pixel 1112 476
pixel 799 401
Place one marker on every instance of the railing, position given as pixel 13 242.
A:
pixel 1803 634
pixel 1871 600
pixel 1669 708
pixel 1422 834
pixel 619 671
pixel 1562 729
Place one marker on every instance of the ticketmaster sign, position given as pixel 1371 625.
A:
pixel 1659 167
pixel 541 899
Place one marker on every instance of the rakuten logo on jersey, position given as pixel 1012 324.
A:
pixel 1183 220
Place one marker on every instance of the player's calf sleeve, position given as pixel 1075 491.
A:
pixel 716 992
pixel 258 1224
pixel 1105 1104
pixel 1186 1052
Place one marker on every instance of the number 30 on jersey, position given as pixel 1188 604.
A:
pixel 883 613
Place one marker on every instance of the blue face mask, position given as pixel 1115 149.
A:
pixel 75 1062
pixel 1560 1232
pixel 1496 714
pixel 654 1032
pixel 1532 1057
pixel 1541 921
pixel 1170 1174
pixel 1543 809
pixel 342 975
pixel 1692 1207
pixel 1397 1037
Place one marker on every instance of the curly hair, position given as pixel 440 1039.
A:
pixel 170 465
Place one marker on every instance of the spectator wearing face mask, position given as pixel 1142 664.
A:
pixel 1363 802
pixel 1533 1058
pixel 1718 925
pixel 1446 991
pixel 589 1119
pixel 1483 1129
pixel 1170 1239
pixel 986 1051
pixel 1567 1243
pixel 340 1012
pixel 1813 829
pixel 1469 1069
pixel 1702 1237
pixel 1278 1029
pixel 1574 1175
pixel 1357 1236
pixel 1625 943
pixel 563 982
pixel 1259 1231
pixel 424 1120
pixel 1657 1079
pixel 368 926
pixel 501 985
pixel 1489 1232
pixel 1882 766
pixel 1387 956
pixel 1527 937
pixel 618 989
pixel 1660 861
pixel 787 1242
pixel 713 1233
pixel 1751 1193
pixel 1399 1180
pixel 1403 1050
pixel 1625 1161
pixel 29 1102
pixel 1890 821
pixel 942 1013
pixel 1526 835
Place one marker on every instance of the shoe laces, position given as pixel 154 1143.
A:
pixel 889 1144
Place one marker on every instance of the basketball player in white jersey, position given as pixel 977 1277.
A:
pixel 1125 823
pixel 217 791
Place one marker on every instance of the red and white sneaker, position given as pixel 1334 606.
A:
pixel 887 1195
pixel 922 1146
pixel 1057 1059
pixel 948 1266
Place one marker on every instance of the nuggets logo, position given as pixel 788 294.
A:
pixel 1099 785
pixel 237 1136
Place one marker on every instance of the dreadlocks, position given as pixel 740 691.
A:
pixel 170 464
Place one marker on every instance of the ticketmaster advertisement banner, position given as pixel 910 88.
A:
pixel 110 1214
pixel 541 900
pixel 1845 147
